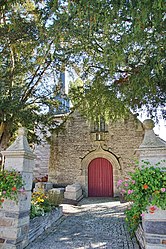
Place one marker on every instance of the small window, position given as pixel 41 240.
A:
pixel 99 126
pixel 102 125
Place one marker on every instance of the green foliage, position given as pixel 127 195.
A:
pixel 29 61
pixel 121 50
pixel 118 47
pixel 146 190
pixel 11 184
pixel 55 198
pixel 40 204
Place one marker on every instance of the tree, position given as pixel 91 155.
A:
pixel 121 49
pixel 30 58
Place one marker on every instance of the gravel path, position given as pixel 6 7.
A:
pixel 95 223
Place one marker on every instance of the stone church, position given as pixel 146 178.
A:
pixel 95 156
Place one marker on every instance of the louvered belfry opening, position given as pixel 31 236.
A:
pixel 100 178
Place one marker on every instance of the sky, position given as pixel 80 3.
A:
pixel 159 129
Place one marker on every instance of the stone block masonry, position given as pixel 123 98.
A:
pixel 42 153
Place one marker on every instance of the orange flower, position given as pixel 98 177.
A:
pixel 156 192
pixel 145 186
pixel 135 216
pixel 14 188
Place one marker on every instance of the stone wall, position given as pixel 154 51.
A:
pixel 140 236
pixel 39 224
pixel 42 153
pixel 70 148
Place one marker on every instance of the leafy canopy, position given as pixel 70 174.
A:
pixel 120 48
pixel 30 59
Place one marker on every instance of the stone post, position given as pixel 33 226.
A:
pixel 14 217
pixel 153 150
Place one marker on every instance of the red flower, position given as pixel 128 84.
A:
pixel 1 200
pixel 152 209
pixel 145 186
pixel 14 188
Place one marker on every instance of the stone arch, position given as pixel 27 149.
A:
pixel 103 154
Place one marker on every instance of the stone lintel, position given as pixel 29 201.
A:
pixel 18 154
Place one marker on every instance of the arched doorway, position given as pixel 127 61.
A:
pixel 100 178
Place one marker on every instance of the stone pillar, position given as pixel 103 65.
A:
pixel 153 148
pixel 154 227
pixel 14 217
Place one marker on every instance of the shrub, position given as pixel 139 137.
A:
pixel 146 192
pixel 55 198
pixel 40 204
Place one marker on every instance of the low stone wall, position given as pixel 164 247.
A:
pixel 140 236
pixel 39 224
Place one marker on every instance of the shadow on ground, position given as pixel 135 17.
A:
pixel 94 223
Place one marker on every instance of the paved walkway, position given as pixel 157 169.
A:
pixel 95 223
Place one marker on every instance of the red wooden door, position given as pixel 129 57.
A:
pixel 100 178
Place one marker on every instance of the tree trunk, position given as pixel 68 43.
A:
pixel 5 136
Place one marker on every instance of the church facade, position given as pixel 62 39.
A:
pixel 94 156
